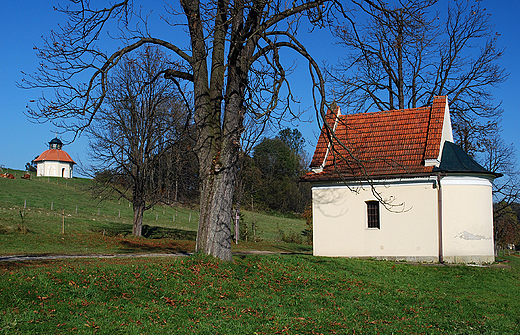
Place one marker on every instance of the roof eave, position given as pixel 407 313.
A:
pixel 434 172
pixel 380 177
pixel 468 173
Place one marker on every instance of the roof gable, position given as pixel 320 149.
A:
pixel 388 143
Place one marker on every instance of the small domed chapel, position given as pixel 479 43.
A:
pixel 54 162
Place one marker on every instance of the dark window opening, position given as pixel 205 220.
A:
pixel 373 214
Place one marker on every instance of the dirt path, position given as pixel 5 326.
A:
pixel 21 258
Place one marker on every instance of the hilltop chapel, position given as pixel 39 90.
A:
pixel 54 162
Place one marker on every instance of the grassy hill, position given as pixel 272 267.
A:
pixel 33 214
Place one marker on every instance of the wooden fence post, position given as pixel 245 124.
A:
pixel 62 222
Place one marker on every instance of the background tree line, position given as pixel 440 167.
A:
pixel 270 176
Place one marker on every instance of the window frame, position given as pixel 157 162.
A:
pixel 373 214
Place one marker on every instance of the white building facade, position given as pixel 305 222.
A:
pixel 421 222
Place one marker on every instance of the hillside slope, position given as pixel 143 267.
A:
pixel 33 214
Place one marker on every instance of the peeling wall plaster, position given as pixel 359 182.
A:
pixel 469 236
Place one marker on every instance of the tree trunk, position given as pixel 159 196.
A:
pixel 400 60
pixel 216 201
pixel 214 233
pixel 139 207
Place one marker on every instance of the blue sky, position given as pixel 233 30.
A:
pixel 23 23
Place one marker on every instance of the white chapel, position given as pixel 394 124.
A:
pixel 54 162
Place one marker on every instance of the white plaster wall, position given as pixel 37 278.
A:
pixel 410 230
pixel 53 169
pixel 467 219
pixel 40 169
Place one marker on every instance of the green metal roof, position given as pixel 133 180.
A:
pixel 454 159
pixel 56 141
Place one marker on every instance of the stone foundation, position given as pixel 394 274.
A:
pixel 482 259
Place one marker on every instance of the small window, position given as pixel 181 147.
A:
pixel 373 214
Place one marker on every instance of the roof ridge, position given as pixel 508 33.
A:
pixel 396 111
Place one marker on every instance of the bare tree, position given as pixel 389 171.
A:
pixel 497 156
pixel 403 56
pixel 133 134
pixel 506 226
pixel 233 62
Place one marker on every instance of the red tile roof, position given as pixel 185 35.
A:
pixel 380 144
pixel 55 155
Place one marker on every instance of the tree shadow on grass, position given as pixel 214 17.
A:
pixel 148 232
pixel 154 246
pixel 154 232
pixel 297 249
pixel 154 238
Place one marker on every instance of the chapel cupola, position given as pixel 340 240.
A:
pixel 55 143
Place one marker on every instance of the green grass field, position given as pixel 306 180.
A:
pixel 34 212
pixel 256 294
